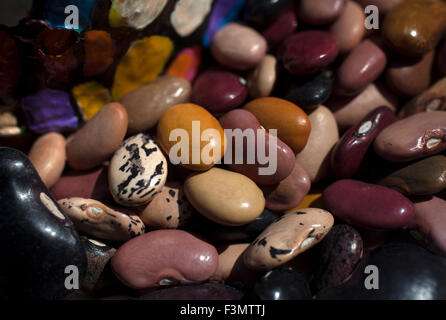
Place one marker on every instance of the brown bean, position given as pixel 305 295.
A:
pixel 349 28
pixel 146 105
pixel 98 139
pixel 349 111
pixel 384 6
pixel 238 47
pixel 314 158
pixel 48 157
pixel 231 266
pixel 433 99
pixel 408 77
pixel 320 12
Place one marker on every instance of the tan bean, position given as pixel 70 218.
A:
pixel 48 157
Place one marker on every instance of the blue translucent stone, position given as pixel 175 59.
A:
pixel 59 14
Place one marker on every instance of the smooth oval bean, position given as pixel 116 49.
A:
pixel 368 205
pixel 48 156
pixel 164 257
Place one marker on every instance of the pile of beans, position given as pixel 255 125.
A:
pixel 121 178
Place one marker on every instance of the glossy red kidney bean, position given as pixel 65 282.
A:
pixel 418 136
pixel 368 205
pixel 349 152
pixel 219 91
pixel 92 184
pixel 308 52
pixel 361 67
pixel 283 27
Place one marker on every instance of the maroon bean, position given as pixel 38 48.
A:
pixel 368 205
pixel 282 28
pixel 219 91
pixel 242 119
pixel 290 192
pixel 349 152
pixel 361 67
pixel 308 52
pixel 91 184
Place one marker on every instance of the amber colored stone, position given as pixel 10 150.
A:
pixel 292 124
pixel 90 98
pixel 56 50
pixel 201 155
pixel 143 62
pixel 415 27
pixel 98 47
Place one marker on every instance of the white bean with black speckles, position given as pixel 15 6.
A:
pixel 137 171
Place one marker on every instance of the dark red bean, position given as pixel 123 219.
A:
pixel 349 152
pixel 368 205
pixel 219 91
pixel 308 52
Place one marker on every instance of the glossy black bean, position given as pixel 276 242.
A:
pixel 38 242
pixel 282 284
pixel 99 278
pixel 311 91
pixel 405 272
